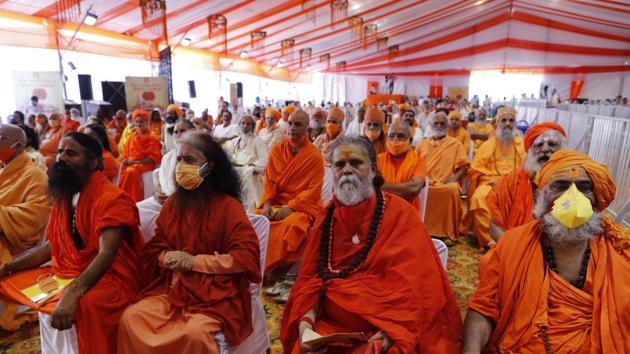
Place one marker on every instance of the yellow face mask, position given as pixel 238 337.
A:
pixel 333 129
pixel 573 209
pixel 398 147
pixel 373 134
pixel 188 176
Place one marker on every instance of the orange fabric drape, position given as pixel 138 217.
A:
pixel 396 274
pixel 403 170
pixel 435 91
pixel 511 200
pixel 576 88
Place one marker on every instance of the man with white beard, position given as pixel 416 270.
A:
pixel 249 157
pixel 369 244
pixel 558 284
pixel 497 157
pixel 511 200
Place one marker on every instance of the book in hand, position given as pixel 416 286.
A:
pixel 313 338
pixel 46 289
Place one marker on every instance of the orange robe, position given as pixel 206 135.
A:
pixel 403 169
pixel 462 136
pixel 486 129
pixel 138 147
pixel 49 146
pixel 294 181
pixel 110 165
pixel 179 312
pixel 24 211
pixel 101 205
pixel 521 296
pixel 156 128
pixel 70 125
pixel 115 131
pixel 323 143
pixel 401 288
pixel 444 207
pixel 490 163
pixel 511 200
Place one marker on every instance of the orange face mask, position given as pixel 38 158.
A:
pixel 332 129
pixel 396 147
pixel 372 134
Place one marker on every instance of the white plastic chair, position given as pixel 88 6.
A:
pixel 258 342
pixel 327 187
pixel 424 196
pixel 442 251
pixel 147 184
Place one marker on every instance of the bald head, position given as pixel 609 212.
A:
pixel 400 127
pixel 298 123
pixel 13 138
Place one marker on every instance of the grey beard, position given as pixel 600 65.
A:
pixel 350 190
pixel 438 134
pixel 562 236
pixel 531 164
pixel 505 135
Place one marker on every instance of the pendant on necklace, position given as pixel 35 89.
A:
pixel 355 239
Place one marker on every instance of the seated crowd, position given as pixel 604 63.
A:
pixel 137 230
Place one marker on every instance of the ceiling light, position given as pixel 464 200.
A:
pixel 479 2
pixel 355 6
pixel 90 19
pixel 186 42
pixel 7 22
pixel 243 54
pixel 280 64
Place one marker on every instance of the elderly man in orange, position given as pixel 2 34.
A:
pixel 271 134
pixel 373 128
pixel 292 197
pixel 511 200
pixel 558 284
pixel 286 112
pixel 117 125
pixel 480 130
pixel 370 267
pixel 500 155
pixel 455 129
pixel 334 124
pixel 142 153
pixel 403 170
pixel 447 163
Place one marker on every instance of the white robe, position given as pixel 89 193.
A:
pixel 354 128
pixel 271 138
pixel 249 155
pixel 222 131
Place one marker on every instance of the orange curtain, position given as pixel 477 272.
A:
pixel 576 88
pixel 435 91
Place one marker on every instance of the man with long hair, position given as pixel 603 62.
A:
pixel 200 262
pixel 369 266
pixel 93 240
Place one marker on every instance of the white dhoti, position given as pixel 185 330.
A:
pixel 252 185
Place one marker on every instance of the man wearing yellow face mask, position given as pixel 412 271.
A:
pixel 558 284
pixel 200 263
pixel 292 197
pixel 403 170
pixel 333 131
pixel 373 128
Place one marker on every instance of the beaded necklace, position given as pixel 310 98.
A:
pixel 325 269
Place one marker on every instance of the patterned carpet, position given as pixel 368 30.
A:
pixel 462 271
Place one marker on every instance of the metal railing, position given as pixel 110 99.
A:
pixel 605 139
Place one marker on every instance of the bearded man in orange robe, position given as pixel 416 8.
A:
pixel 455 129
pixel 199 265
pixel 512 199
pixel 292 197
pixel 93 240
pixel 403 170
pixel 558 284
pixel 370 267
pixel 499 156
pixel 447 163
pixel 141 154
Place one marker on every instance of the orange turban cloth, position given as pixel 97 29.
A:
pixel 454 115
pixel 375 115
pixel 273 112
pixel 288 109
pixel 403 107
pixel 337 113
pixel 140 113
pixel 537 129
pixel 603 185
pixel 178 110
pixel 505 111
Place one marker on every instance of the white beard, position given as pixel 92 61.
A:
pixel 505 135
pixel 439 134
pixel 560 235
pixel 531 165
pixel 350 190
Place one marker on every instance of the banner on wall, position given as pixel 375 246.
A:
pixel 458 92
pixel 46 85
pixel 146 93
pixel 372 88
pixel 166 71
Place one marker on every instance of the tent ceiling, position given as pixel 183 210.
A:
pixel 431 36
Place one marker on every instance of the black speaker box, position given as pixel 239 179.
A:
pixel 114 93
pixel 85 87
pixel 192 91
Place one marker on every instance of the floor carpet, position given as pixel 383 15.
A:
pixel 463 260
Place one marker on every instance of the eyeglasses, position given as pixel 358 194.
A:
pixel 397 136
